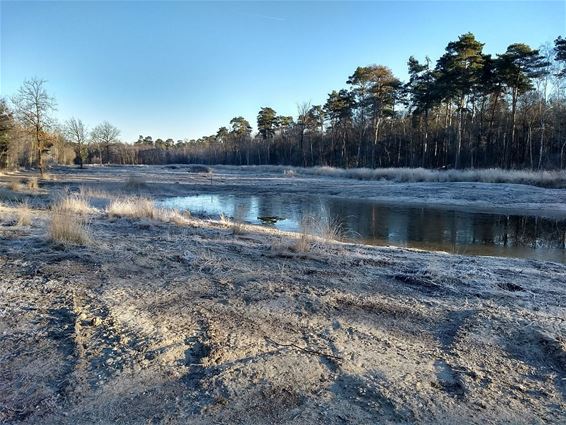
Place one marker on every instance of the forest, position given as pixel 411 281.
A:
pixel 468 109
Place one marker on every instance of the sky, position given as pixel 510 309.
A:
pixel 181 69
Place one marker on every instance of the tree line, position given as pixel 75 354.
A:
pixel 468 109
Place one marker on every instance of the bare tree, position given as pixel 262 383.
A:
pixel 105 135
pixel 33 108
pixel 76 131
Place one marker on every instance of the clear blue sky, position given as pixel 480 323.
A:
pixel 181 69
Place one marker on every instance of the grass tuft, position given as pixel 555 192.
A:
pixel 32 183
pixel 237 224
pixel 65 228
pixel 23 214
pixel 133 208
pixel 16 186
pixel 304 242
pixel 175 217
pixel 76 204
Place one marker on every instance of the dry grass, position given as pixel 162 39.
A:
pixel 304 242
pixel 237 227
pixel 65 228
pixel 175 217
pixel 33 183
pixel 47 176
pixel 555 178
pixel 133 208
pixel 317 232
pixel 76 204
pixel 330 229
pixel 23 214
pixel 236 224
pixel 490 175
pixel 90 192
pixel 16 186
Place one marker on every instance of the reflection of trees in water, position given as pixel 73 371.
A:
pixel 397 225
pixel 446 227
pixel 242 207
pixel 534 232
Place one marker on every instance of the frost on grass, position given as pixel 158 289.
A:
pixel 23 214
pixel 133 208
pixel 32 183
pixel 193 326
pixel 76 204
pixel 15 186
pixel 140 208
pixel 490 175
pixel 67 228
pixel 67 224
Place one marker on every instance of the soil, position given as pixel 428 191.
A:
pixel 207 323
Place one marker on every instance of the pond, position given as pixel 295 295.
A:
pixel 372 223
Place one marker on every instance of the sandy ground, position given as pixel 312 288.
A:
pixel 162 323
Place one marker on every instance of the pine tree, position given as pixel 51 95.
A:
pixel 560 50
pixel 460 70
pixel 266 122
pixel 423 96
pixel 517 67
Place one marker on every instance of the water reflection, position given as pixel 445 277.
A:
pixel 371 223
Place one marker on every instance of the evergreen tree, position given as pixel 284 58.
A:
pixel 6 126
pixel 266 122
pixel 460 70
pixel 517 68
pixel 560 50
pixel 423 96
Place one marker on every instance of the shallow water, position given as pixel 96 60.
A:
pixel 377 224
